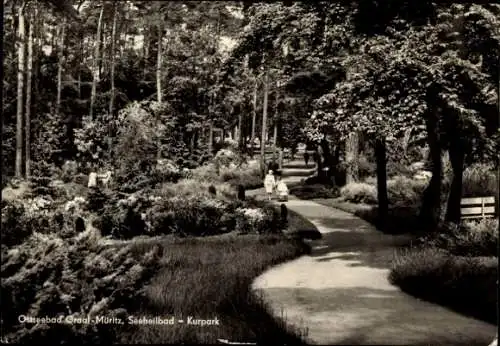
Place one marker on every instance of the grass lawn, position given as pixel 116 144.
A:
pixel 466 284
pixel 211 278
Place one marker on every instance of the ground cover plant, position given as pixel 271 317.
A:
pixel 458 269
pixel 211 279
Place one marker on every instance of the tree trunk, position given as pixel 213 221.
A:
pixel 240 137
pixel 37 53
pixel 28 98
pixel 210 137
pixel 264 124
pixel 82 62
pixel 275 130
pixel 431 201
pixel 20 86
pixel 352 148
pixel 383 199
pixel 254 117
pixel 95 65
pixel 328 161
pixel 113 42
pixel 60 60
pixel 406 141
pixel 158 63
pixel 146 51
pixel 337 174
pixel 457 160
pixel 102 49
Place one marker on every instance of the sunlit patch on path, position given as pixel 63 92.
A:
pixel 341 293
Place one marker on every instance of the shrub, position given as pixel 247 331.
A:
pixel 470 239
pixel 205 172
pixel 166 171
pixel 123 218
pixel 54 277
pixel 246 175
pixel 69 171
pixel 366 168
pixel 227 157
pixel 395 168
pixel 314 191
pixel 14 230
pixel 258 220
pixel 405 191
pixel 96 199
pixel 81 179
pixel 16 189
pixel 359 193
pixel 466 284
pixel 479 180
pixel 189 187
pixel 196 215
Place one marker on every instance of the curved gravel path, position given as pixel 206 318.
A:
pixel 340 292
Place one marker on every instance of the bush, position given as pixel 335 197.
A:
pixel 314 191
pixel 366 167
pixel 189 187
pixel 71 278
pixel 195 215
pixel 227 157
pixel 123 218
pixel 479 180
pixel 359 193
pixel 466 284
pixel 14 230
pixel 69 171
pixel 258 220
pixel 395 168
pixel 246 175
pixel 402 190
pixel 166 171
pixel 473 238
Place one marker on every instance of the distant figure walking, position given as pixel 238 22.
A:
pixel 306 158
pixel 293 151
pixel 269 184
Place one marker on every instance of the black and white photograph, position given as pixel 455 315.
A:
pixel 250 172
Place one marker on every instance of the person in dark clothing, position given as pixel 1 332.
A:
pixel 306 158
pixel 293 152
pixel 316 157
pixel 275 167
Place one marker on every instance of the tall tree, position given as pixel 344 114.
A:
pixel 60 63
pixel 275 125
pixel 21 41
pixel 95 63
pixel 263 140
pixel 254 115
pixel 113 55
pixel 29 74
pixel 159 61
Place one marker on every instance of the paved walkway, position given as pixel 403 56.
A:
pixel 341 293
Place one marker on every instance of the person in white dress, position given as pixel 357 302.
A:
pixel 269 184
pixel 282 190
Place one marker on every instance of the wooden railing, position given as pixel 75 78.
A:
pixel 477 207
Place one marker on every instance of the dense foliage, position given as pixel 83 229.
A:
pixel 74 278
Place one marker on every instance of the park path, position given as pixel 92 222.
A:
pixel 341 294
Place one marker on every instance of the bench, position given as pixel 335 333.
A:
pixel 477 208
